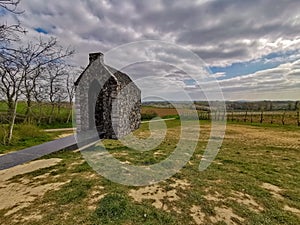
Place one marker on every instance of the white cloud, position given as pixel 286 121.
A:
pixel 282 82
pixel 220 32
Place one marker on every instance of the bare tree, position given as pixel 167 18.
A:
pixel 40 95
pixel 9 69
pixel 11 76
pixel 9 32
pixel 35 58
pixel 55 75
pixel 70 88
pixel 9 5
pixel 20 67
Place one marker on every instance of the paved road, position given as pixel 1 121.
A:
pixel 26 155
pixel 19 157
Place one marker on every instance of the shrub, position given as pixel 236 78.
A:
pixel 3 134
pixel 148 115
pixel 28 131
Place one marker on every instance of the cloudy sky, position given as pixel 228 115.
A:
pixel 252 48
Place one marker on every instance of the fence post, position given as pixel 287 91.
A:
pixel 272 118
pixel 245 117
pixel 261 116
pixel 283 118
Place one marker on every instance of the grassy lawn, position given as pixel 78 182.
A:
pixel 253 180
pixel 26 135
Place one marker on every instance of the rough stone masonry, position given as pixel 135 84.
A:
pixel 107 101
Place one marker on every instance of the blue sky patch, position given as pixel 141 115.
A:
pixel 2 12
pixel 269 61
pixel 41 30
pixel 189 81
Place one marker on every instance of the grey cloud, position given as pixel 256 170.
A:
pixel 277 80
pixel 222 24
pixel 220 32
pixel 221 54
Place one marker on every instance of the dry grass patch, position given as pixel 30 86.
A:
pixel 274 190
pixel 247 200
pixel 27 168
pixel 16 195
pixel 225 214
pixel 252 135
pixel 156 194
pixel 197 214
pixel 161 196
pixel 291 209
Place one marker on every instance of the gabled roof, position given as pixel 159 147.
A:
pixel 120 76
pixel 80 76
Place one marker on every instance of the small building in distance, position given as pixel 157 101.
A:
pixel 107 101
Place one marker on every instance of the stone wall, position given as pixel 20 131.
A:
pixel 117 109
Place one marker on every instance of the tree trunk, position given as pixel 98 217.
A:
pixel 70 113
pixel 58 109
pixel 51 114
pixel 13 112
pixel 28 113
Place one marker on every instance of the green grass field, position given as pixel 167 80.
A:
pixel 27 134
pixel 40 114
pixel 253 180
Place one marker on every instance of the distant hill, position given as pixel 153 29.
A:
pixel 232 105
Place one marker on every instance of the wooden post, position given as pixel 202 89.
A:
pixel 261 116
pixel 272 118
pixel 283 118
pixel 245 117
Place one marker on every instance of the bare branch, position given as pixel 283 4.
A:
pixel 10 5
pixel 10 32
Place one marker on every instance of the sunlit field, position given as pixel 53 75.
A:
pixel 253 180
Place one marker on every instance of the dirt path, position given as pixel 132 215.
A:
pixel 60 129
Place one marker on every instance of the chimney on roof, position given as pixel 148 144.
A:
pixel 95 56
